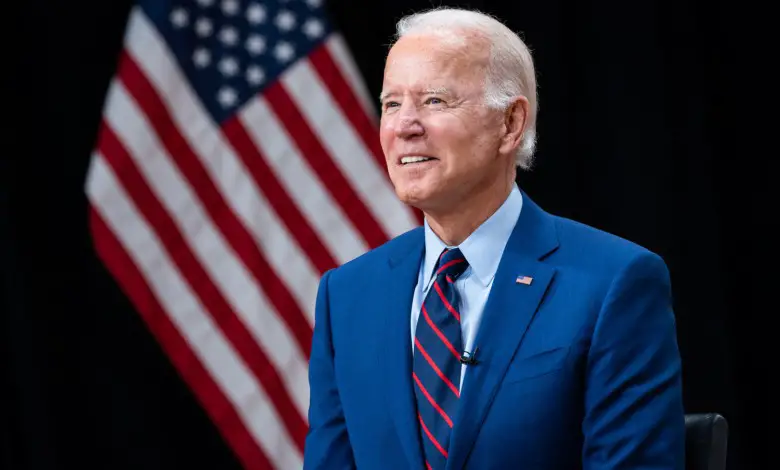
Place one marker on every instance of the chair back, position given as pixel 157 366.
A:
pixel 706 439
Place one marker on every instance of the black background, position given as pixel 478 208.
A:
pixel 643 126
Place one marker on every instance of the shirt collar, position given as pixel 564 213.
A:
pixel 484 247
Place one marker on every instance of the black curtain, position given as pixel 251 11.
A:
pixel 643 132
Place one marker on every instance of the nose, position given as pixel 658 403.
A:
pixel 408 124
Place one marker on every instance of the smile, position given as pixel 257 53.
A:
pixel 415 159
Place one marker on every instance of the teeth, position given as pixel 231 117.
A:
pixel 406 160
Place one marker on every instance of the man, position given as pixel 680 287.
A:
pixel 497 336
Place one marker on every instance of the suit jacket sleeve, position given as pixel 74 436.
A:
pixel 327 442
pixel 634 415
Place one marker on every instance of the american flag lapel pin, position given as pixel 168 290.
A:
pixel 525 280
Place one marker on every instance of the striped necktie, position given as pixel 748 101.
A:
pixel 436 370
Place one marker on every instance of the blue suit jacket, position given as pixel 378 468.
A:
pixel 579 369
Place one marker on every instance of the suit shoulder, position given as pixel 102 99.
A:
pixel 599 247
pixel 370 260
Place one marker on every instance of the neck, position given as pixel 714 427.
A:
pixel 453 226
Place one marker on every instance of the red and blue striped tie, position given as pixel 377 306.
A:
pixel 438 347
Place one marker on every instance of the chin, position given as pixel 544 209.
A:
pixel 419 197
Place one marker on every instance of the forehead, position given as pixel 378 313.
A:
pixel 433 61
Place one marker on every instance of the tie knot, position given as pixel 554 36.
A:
pixel 452 263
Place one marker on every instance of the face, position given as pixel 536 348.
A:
pixel 442 144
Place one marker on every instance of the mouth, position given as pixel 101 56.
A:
pixel 415 160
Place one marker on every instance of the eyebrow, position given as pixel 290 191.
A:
pixel 427 91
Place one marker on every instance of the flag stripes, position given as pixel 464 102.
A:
pixel 219 232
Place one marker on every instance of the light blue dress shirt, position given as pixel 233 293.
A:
pixel 483 250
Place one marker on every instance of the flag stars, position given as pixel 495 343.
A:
pixel 228 66
pixel 256 13
pixel 284 51
pixel 255 44
pixel 285 20
pixel 313 28
pixel 255 75
pixel 228 36
pixel 180 18
pixel 219 44
pixel 230 7
pixel 227 97
pixel 203 27
pixel 201 57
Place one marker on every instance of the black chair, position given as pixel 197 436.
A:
pixel 706 439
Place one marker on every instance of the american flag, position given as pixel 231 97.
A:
pixel 236 162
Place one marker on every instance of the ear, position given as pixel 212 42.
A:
pixel 515 122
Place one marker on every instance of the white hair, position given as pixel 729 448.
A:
pixel 510 71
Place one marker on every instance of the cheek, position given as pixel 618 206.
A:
pixel 485 145
pixel 385 135
pixel 455 140
pixel 469 153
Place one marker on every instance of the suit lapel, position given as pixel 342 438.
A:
pixel 508 312
pixel 396 358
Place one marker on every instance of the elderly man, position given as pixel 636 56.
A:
pixel 497 335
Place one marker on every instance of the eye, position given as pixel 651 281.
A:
pixel 390 104
pixel 434 100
